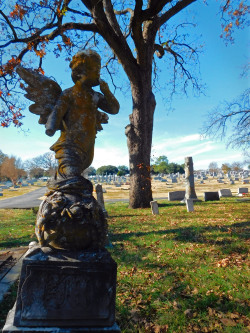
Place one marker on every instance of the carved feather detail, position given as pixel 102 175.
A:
pixel 41 90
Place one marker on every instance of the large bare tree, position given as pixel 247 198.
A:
pixel 135 31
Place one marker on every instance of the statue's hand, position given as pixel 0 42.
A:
pixel 50 132
pixel 104 87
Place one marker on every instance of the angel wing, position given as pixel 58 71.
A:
pixel 41 90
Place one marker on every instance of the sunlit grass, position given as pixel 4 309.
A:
pixel 177 271
pixel 180 271
pixel 14 192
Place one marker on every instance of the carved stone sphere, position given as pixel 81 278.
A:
pixel 71 221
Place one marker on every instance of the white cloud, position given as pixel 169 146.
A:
pixel 110 156
pixel 202 150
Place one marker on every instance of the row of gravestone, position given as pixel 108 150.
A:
pixel 208 196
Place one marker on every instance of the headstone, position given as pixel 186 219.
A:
pixel 245 181
pixel 189 177
pixel 231 182
pixel 225 193
pixel 190 205
pixel 242 190
pixel 236 179
pixel 176 195
pixel 75 290
pixel 174 180
pixel 154 207
pixel 1 194
pixel 211 196
pixel 202 182
pixel 100 199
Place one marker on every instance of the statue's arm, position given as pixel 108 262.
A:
pixel 107 102
pixel 55 119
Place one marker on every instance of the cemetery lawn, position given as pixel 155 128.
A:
pixel 177 271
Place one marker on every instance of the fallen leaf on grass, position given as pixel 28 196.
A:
pixel 228 322
pixel 188 313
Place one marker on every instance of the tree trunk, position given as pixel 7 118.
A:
pixel 139 140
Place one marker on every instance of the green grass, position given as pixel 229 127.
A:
pixel 17 227
pixel 177 271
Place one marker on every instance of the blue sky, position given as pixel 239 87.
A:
pixel 176 133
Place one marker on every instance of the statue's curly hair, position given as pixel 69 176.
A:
pixel 85 54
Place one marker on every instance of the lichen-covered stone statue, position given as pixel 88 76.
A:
pixel 70 217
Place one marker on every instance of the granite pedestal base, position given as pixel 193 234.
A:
pixel 11 328
pixel 63 291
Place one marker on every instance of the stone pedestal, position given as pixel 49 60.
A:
pixel 63 291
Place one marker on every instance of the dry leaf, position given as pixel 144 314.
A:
pixel 228 322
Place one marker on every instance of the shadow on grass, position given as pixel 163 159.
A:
pixel 197 235
pixel 16 242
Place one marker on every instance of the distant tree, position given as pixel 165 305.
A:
pixel 2 157
pixel 107 169
pixel 226 167
pixel 174 168
pixel 91 171
pixel 36 172
pixel 160 164
pixel 160 168
pixel 122 170
pixel 160 159
pixel 213 167
pixel 45 162
pixel 11 171
pixel 237 166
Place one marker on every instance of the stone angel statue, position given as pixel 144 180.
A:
pixel 70 217
pixel 73 111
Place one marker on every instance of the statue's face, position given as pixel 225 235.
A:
pixel 87 70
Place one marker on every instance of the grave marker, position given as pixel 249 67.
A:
pixel 190 205
pixel 242 190
pixel 211 196
pixel 176 195
pixel 189 178
pixel 225 193
pixel 154 207
pixel 100 199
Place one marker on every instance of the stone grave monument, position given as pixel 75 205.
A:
pixel 189 178
pixel 100 199
pixel 68 280
pixel 154 207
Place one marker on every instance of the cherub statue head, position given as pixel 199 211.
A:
pixel 85 66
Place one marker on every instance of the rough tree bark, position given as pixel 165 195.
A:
pixel 139 140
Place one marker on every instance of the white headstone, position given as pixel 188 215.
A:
pixel 154 207
pixel 190 205
pixel 225 193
